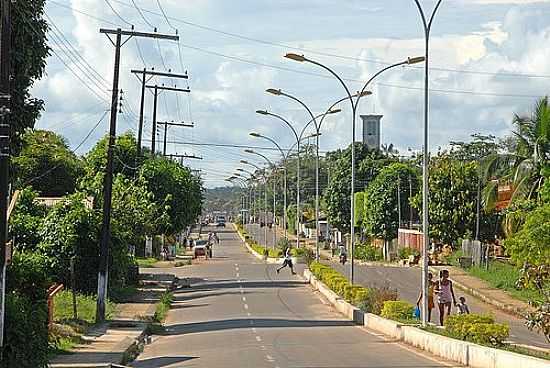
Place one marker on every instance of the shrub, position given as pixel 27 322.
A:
pixel 374 301
pixel 405 253
pixel 480 329
pixel 163 306
pixel 397 310
pixel 368 253
pixel 26 328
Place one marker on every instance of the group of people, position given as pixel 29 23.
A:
pixel 443 288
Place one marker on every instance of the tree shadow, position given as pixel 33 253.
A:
pixel 160 361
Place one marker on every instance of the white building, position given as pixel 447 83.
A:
pixel 371 131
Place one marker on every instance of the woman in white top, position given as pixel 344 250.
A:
pixel 445 295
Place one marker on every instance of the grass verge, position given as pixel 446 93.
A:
pixel 146 262
pixel 163 306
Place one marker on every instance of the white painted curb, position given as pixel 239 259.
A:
pixel 466 353
pixel 269 260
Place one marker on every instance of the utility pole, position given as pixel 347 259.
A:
pixel 146 76
pixel 156 89
pixel 5 105
pixel 171 123
pixel 103 273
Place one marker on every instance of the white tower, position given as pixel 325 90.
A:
pixel 371 131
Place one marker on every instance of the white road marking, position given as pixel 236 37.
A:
pixel 270 358
pixel 258 338
pixel 236 265
pixel 236 268
pixel 263 347
pixel 242 290
pixel 246 306
pixel 238 274
pixel 239 281
pixel 254 329
pixel 251 322
pixel 244 299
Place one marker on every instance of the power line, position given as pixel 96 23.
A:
pixel 118 14
pixel 143 16
pixel 327 54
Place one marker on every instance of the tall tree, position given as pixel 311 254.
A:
pixel 28 60
pixel 46 163
pixel 525 167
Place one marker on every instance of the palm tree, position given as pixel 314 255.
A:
pixel 526 163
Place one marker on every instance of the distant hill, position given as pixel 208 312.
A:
pixel 226 199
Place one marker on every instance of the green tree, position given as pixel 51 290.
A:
pixel 381 207
pixel 453 195
pixel 176 189
pixel 526 166
pixel 28 61
pixel 47 164
pixel 26 220
pixel 338 193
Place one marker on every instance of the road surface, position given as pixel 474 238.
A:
pixel 241 313
pixel 407 282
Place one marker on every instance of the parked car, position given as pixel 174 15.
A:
pixel 200 248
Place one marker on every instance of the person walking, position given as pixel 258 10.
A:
pixel 445 295
pixel 287 261
pixel 462 307
pixel 431 304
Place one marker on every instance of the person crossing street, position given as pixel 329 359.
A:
pixel 287 261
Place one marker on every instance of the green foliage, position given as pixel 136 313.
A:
pixel 377 296
pixel 397 310
pixel 405 253
pixel 537 278
pixel 477 328
pixel 47 164
pixel 531 243
pixel 26 333
pixel 28 62
pixel 72 230
pixel 355 294
pixel 381 208
pixel 163 306
pixel 176 190
pixel 366 252
pixel 85 307
pixel 359 208
pixel 28 274
pixel 453 196
pixel 338 193
pixel 26 220
pixel 146 262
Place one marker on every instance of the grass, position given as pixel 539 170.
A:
pixel 146 262
pixel 503 276
pixel 163 306
pixel 86 308
pixel 122 294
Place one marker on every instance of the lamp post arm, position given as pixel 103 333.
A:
pixel 317 127
pixel 287 123
pixel 350 97
pixel 313 117
pixel 374 77
pixel 276 145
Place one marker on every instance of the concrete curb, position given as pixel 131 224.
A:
pixel 466 353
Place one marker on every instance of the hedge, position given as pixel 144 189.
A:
pixel 397 310
pixel 480 329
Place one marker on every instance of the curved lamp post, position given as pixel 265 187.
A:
pixel 262 171
pixel 427 24
pixel 274 191
pixel 354 105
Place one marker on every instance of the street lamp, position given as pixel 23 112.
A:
pixel 427 24
pixel 265 112
pixel 313 120
pixel 262 171
pixel 274 191
pixel 354 105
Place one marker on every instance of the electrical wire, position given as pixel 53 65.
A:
pixel 118 14
pixel 143 16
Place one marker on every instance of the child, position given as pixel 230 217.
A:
pixel 462 307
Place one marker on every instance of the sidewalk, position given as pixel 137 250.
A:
pixel 116 341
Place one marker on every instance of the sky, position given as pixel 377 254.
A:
pixel 488 59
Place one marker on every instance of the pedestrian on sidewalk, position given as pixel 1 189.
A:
pixel 462 307
pixel 445 295
pixel 431 285
pixel 287 261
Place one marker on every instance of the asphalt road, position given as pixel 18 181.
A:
pixel 240 313
pixel 407 282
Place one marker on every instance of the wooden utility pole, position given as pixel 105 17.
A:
pixel 171 123
pixel 146 76
pixel 5 106
pixel 103 273
pixel 156 89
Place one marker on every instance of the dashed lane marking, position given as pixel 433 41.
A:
pixel 269 358
pixel 244 299
pixel 246 306
pixel 258 338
